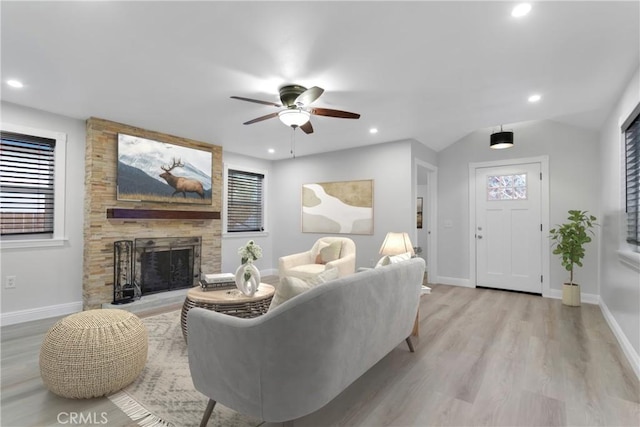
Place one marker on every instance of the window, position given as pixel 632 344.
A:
pixel 245 201
pixel 32 168
pixel 632 156
pixel 26 181
pixel 507 187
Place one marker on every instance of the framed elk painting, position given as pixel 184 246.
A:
pixel 157 171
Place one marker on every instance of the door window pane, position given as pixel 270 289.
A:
pixel 507 187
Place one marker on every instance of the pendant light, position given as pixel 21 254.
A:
pixel 501 140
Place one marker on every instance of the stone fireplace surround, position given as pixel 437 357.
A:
pixel 100 232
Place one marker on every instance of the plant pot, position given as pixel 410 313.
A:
pixel 571 294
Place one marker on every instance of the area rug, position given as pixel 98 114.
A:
pixel 163 394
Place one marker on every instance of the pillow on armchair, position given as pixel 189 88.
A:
pixel 329 252
pixel 290 287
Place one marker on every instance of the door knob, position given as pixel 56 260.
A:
pixel 479 236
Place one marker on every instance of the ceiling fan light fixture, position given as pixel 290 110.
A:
pixel 501 140
pixel 294 117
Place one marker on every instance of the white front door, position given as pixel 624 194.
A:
pixel 509 228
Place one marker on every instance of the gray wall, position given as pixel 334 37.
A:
pixel 423 153
pixel 573 164
pixel 620 282
pixel 49 277
pixel 389 165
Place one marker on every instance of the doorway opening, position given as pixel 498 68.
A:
pixel 425 233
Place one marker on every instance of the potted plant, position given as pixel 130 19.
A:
pixel 569 240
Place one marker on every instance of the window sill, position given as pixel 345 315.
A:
pixel 246 234
pixel 630 259
pixel 35 243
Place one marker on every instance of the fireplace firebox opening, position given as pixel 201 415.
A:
pixel 167 263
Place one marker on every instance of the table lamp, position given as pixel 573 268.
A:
pixel 396 244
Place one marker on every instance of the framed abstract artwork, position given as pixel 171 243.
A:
pixel 343 207
pixel 419 213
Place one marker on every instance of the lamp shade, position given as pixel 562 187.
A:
pixel 396 244
pixel 500 140
pixel 294 117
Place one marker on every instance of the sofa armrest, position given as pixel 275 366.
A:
pixel 345 266
pixel 224 358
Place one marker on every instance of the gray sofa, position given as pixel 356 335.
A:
pixel 297 357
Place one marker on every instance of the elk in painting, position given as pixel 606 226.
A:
pixel 181 184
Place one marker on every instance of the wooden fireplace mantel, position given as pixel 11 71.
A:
pixel 123 213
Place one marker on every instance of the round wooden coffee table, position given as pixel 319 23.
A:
pixel 227 301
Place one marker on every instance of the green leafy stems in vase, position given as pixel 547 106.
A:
pixel 248 254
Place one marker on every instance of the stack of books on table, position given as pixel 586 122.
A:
pixel 213 282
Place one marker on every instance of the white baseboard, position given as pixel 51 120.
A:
pixel 585 298
pixel 627 348
pixel 454 281
pixel 21 316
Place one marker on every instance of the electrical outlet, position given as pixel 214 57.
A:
pixel 11 282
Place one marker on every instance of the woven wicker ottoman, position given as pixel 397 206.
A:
pixel 93 353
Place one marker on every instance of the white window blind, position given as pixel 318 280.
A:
pixel 632 155
pixel 244 201
pixel 26 184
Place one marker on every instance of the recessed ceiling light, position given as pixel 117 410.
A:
pixel 271 150
pixel 521 10
pixel 15 83
pixel 373 130
pixel 535 98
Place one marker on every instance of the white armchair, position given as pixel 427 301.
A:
pixel 305 265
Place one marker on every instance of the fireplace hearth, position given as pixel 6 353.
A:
pixel 167 263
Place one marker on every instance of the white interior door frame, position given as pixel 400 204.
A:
pixel 431 214
pixel 544 212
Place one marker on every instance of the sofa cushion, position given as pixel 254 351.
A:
pixel 328 253
pixel 290 286
pixel 325 276
pixel 306 271
pixel 383 261
pixel 392 259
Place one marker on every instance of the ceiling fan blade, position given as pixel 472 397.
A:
pixel 257 101
pixel 308 96
pixel 333 113
pixel 307 128
pixel 259 119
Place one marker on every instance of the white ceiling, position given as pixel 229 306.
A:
pixel 430 71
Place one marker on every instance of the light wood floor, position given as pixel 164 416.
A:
pixel 484 357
